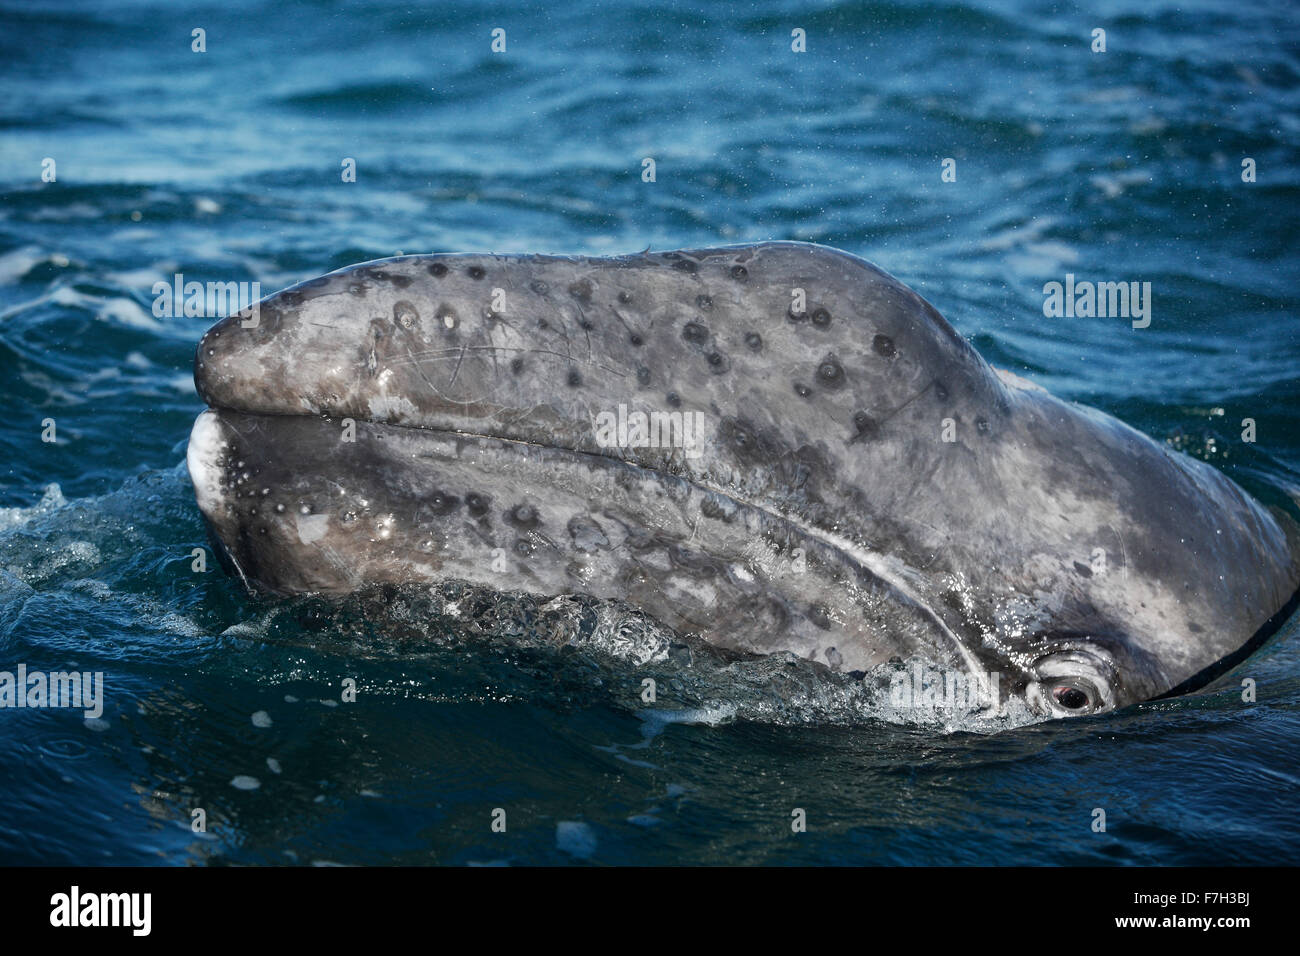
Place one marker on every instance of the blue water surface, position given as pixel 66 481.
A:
pixel 226 165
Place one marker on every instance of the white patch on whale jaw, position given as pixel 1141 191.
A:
pixel 203 459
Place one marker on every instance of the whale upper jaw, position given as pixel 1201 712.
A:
pixel 476 377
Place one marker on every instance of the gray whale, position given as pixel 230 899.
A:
pixel 845 479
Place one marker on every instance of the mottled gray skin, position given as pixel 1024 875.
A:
pixel 827 515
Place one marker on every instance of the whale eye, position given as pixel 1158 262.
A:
pixel 1071 698
pixel 1078 677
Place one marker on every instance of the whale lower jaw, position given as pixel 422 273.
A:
pixel 295 508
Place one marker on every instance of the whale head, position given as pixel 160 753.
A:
pixel 777 447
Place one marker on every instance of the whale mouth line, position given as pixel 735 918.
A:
pixel 1217 669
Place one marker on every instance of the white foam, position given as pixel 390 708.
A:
pixel 50 500
pixel 18 262
pixel 653 721
pixel 126 312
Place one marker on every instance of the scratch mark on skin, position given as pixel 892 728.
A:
pixel 523 414
pixel 439 392
pixel 568 342
pixel 906 403
pixel 618 315
pixel 496 366
pixel 455 372
pixel 414 358
pixel 582 324
pixel 1123 548
pixel 927 477
pixel 346 568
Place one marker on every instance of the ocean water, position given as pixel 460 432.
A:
pixel 225 165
